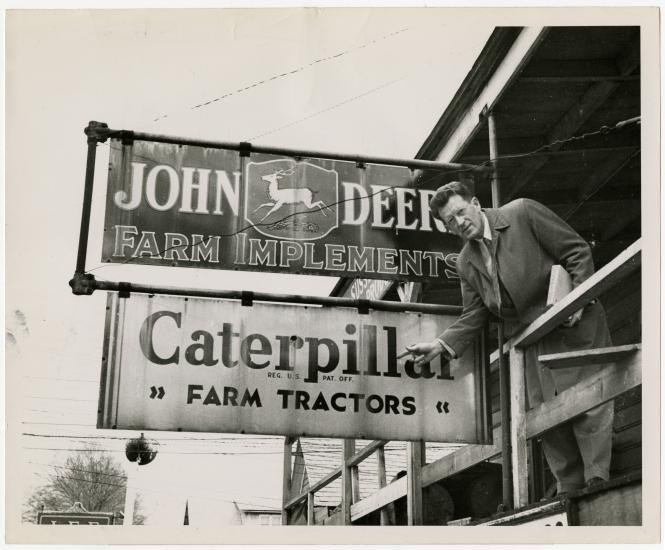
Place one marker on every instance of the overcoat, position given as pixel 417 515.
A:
pixel 527 240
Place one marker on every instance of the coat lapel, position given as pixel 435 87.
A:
pixel 476 258
pixel 497 224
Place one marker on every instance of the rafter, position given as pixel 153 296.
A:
pixel 576 116
pixel 604 173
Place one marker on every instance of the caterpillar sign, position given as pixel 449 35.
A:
pixel 191 206
pixel 217 366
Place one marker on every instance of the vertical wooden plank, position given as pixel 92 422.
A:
pixel 310 508
pixel 381 473
pixel 348 450
pixel 355 483
pixel 414 486
pixel 506 446
pixel 286 481
pixel 518 428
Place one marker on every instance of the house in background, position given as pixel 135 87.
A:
pixel 253 515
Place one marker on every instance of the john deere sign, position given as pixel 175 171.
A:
pixel 190 206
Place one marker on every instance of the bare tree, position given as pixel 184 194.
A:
pixel 91 477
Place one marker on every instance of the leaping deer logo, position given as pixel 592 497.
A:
pixel 295 195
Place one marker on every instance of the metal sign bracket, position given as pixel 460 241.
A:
pixel 247 298
pixel 124 289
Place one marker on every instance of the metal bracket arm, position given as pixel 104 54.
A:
pixel 83 284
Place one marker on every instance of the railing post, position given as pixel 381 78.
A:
pixel 348 450
pixel 286 482
pixel 518 427
pixel 381 473
pixel 310 508
pixel 414 485
pixel 506 446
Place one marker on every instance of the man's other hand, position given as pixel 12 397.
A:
pixel 573 319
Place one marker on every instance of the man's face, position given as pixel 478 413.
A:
pixel 463 217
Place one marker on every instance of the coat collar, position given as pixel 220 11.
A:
pixel 497 223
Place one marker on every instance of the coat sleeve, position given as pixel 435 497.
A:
pixel 561 241
pixel 464 330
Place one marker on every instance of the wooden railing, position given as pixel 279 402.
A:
pixel 612 381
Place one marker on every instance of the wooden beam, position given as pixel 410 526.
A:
pixel 570 67
pixel 366 452
pixel 588 357
pixel 381 478
pixel 603 174
pixel 518 55
pixel 460 460
pixel 622 219
pixel 517 428
pixel 478 158
pixel 575 117
pixel 564 79
pixel 310 509
pixel 390 493
pixel 598 388
pixel 414 491
pixel 624 264
pixel 327 480
pixel 348 450
pixel 355 483
pixel 286 479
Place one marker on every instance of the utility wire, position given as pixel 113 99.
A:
pixel 292 72
pixel 252 440
pixel 88 381
pixel 59 398
pixel 144 489
pixel 229 453
pixel 330 108
pixel 96 472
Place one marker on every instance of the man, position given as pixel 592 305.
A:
pixel 504 269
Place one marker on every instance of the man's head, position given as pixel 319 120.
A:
pixel 458 209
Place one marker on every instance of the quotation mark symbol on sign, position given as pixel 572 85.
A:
pixel 442 407
pixel 157 392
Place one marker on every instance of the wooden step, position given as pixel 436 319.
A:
pixel 587 357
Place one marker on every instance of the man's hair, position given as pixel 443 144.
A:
pixel 443 193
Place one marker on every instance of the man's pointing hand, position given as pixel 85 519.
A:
pixel 425 352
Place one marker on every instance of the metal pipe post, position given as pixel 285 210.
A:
pixel 96 132
pixel 504 377
pixel 494 154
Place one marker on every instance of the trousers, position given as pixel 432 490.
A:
pixel 580 449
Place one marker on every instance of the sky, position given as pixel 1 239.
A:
pixel 382 80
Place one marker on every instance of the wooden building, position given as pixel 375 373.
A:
pixel 558 110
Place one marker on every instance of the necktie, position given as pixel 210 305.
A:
pixel 490 265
